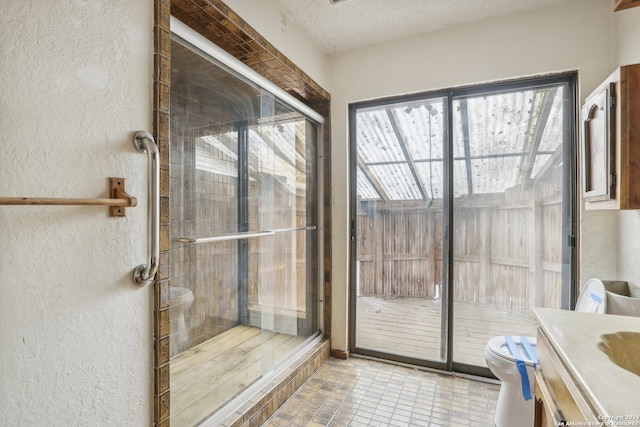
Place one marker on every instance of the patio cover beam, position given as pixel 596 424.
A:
pixel 405 152
pixel 379 188
pixel 534 135
pixel 464 121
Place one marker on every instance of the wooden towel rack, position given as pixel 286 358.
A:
pixel 119 199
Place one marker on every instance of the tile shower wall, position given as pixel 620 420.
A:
pixel 199 206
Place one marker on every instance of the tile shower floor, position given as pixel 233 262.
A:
pixel 361 392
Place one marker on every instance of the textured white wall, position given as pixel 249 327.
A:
pixel 275 23
pixel 627 36
pixel 627 33
pixel 573 36
pixel 75 334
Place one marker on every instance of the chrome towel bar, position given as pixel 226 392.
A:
pixel 238 236
pixel 224 237
pixel 144 274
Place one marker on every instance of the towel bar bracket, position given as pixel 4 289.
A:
pixel 117 191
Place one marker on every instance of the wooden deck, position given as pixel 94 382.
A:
pixel 207 376
pixel 411 327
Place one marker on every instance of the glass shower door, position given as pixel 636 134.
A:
pixel 282 196
pixel 243 225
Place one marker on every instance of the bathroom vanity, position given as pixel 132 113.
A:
pixel 577 383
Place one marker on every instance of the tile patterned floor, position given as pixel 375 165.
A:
pixel 360 392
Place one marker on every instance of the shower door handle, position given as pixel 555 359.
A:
pixel 144 274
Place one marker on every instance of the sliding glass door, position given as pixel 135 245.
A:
pixel 398 205
pixel 512 157
pixel 462 207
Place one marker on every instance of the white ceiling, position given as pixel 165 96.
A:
pixel 355 23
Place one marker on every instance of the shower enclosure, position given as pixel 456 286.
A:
pixel 244 230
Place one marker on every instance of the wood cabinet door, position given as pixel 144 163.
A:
pixel 599 145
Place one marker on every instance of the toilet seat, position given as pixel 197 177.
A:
pixel 593 297
pixel 498 346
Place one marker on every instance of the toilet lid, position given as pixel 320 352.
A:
pixel 593 297
pixel 498 346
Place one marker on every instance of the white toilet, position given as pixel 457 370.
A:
pixel 180 300
pixel 512 408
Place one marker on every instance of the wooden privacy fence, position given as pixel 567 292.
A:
pixel 507 248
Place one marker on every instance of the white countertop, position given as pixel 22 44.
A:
pixel 612 390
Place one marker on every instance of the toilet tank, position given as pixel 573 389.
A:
pixel 619 299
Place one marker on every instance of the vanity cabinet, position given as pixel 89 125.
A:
pixel 558 399
pixel 576 381
pixel 610 142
